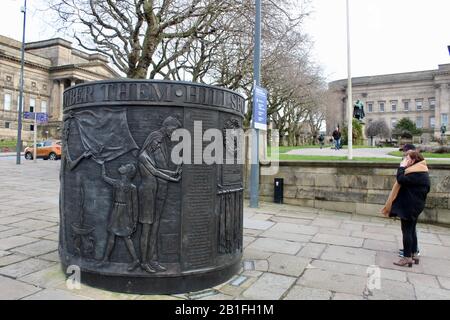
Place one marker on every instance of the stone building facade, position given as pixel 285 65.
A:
pixel 51 66
pixel 423 97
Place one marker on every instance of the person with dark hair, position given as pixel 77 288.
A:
pixel 407 201
pixel 408 147
pixel 405 149
pixel 337 138
pixel 321 140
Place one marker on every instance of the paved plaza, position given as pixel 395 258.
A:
pixel 290 252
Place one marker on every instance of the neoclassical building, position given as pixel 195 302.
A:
pixel 423 97
pixel 51 66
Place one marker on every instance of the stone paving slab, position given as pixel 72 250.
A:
pixel 269 287
pixel 13 289
pixel 312 250
pixel 425 280
pixel 338 240
pixel 349 255
pixel 393 290
pixel 333 281
pixel 290 252
pixel 287 265
pixel 37 248
pixel 23 268
pixel 275 245
pixel 54 294
pixel 15 241
pixel 305 293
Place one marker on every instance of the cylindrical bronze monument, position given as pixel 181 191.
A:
pixel 132 218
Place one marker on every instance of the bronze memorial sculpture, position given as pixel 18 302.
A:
pixel 133 219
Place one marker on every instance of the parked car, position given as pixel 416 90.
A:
pixel 45 150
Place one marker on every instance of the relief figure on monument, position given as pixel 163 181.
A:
pixel 154 166
pixel 123 218
pixel 230 194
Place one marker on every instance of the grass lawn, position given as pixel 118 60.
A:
pixel 290 157
pixel 8 144
pixel 425 155
pixel 326 146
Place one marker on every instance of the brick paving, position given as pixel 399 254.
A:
pixel 290 252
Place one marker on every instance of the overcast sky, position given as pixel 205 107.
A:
pixel 388 36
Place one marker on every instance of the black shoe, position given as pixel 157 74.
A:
pixel 147 267
pixel 155 265
pixel 132 266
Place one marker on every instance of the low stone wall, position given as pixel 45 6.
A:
pixel 359 188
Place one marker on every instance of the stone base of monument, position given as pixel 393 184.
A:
pixel 135 219
pixel 161 284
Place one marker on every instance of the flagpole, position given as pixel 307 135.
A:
pixel 35 137
pixel 19 116
pixel 349 90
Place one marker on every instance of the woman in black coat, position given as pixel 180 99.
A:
pixel 408 199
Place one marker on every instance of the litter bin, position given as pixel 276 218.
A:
pixel 278 190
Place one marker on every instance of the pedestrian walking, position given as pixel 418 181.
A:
pixel 321 140
pixel 337 138
pixel 407 200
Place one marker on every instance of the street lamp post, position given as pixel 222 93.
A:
pixel 349 90
pixel 254 169
pixel 19 120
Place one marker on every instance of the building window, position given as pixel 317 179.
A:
pixel 31 127
pixel 432 102
pixel 432 122
pixel 23 103
pixel 370 106
pixel 7 102
pixel 406 105
pixel 393 122
pixel 444 119
pixel 381 106
pixel 32 104
pixel 44 106
pixel 419 105
pixel 394 106
pixel 7 125
pixel 419 122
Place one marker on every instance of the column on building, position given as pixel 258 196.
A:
pixel 437 111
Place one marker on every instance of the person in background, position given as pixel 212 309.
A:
pixel 321 140
pixel 407 201
pixel 337 138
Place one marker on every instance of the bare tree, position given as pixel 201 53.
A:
pixel 207 41
pixel 378 128
pixel 131 32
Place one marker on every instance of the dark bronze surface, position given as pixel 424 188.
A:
pixel 131 219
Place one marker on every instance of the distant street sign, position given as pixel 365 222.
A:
pixel 259 108
pixel 28 115
pixel 41 117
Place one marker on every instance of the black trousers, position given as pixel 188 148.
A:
pixel 409 237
